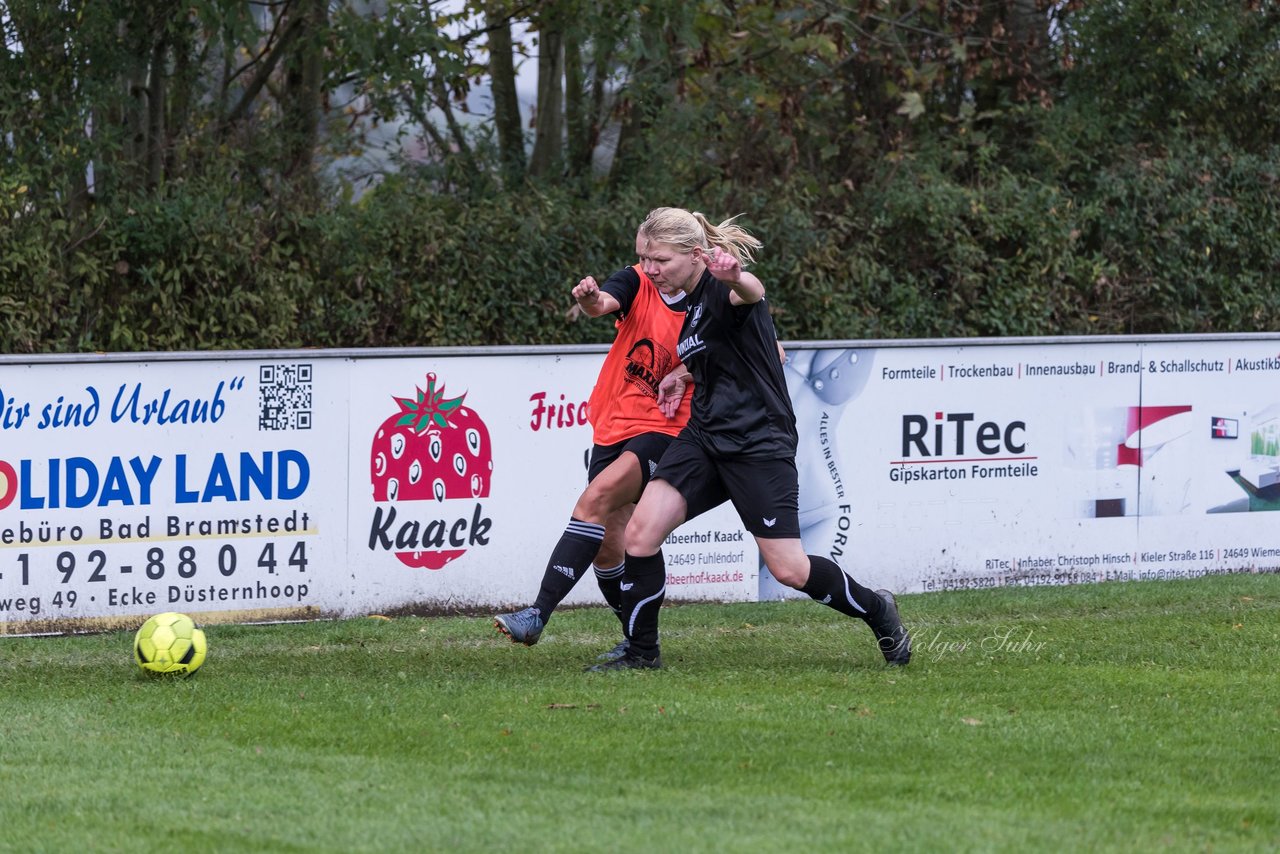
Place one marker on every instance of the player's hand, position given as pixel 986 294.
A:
pixel 723 265
pixel 586 292
pixel 671 391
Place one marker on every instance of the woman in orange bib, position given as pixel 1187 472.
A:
pixel 630 434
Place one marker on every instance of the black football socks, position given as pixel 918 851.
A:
pixel 610 581
pixel 569 560
pixel 831 586
pixel 644 587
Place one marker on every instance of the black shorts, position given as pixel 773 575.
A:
pixel 766 493
pixel 648 447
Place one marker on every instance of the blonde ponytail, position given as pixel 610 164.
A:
pixel 685 230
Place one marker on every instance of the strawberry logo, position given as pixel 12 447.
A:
pixel 433 449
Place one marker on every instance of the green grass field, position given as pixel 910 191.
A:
pixel 1122 717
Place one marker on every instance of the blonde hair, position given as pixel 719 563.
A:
pixel 686 229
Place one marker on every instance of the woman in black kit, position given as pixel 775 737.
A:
pixel 740 443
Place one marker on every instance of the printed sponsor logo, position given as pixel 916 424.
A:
pixel 959 446
pixel 76 482
pixel 647 363
pixel 690 346
pixel 433 450
pixel 955 434
pixel 548 415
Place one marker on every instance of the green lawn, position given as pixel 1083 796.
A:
pixel 1121 717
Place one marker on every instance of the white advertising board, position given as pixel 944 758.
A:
pixel 262 486
pixel 257 488
pixel 474 526
pixel 132 488
pixel 934 468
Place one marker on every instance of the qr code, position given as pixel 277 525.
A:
pixel 284 397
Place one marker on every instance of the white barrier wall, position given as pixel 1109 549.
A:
pixel 253 486
pixel 953 467
pixel 256 486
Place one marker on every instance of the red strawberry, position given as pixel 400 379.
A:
pixel 433 448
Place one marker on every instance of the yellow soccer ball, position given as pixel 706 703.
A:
pixel 169 643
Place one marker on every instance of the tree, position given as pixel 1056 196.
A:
pixel 1156 65
pixel 506 105
pixel 547 159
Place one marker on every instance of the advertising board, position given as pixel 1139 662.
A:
pixel 305 484
pixel 954 467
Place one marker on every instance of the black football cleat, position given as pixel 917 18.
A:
pixel 628 661
pixel 891 635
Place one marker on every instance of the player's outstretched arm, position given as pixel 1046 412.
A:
pixel 727 268
pixel 593 301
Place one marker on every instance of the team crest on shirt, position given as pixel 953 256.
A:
pixel 695 315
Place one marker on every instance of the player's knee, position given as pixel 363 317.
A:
pixel 610 553
pixel 790 572
pixel 591 509
pixel 642 538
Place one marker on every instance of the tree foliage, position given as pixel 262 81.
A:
pixel 337 173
